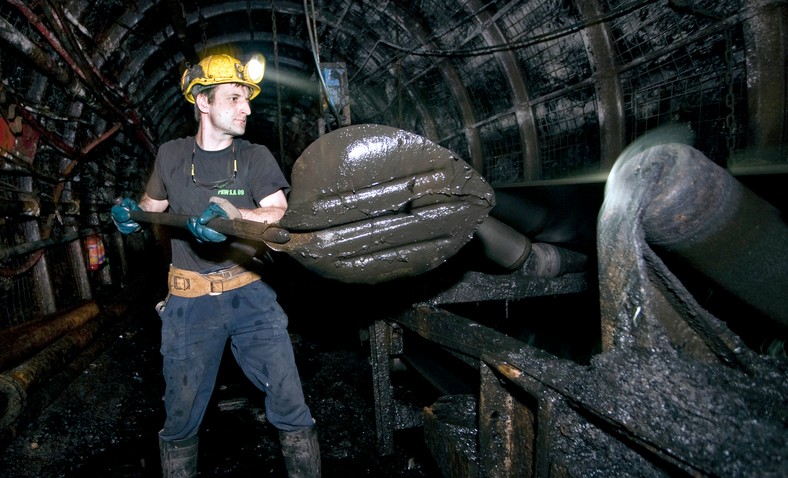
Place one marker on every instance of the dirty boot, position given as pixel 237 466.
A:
pixel 302 452
pixel 179 458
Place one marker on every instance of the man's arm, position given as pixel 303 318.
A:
pixel 272 208
pixel 153 205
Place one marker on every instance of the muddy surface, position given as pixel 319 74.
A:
pixel 371 203
pixel 106 421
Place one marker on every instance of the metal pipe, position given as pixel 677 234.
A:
pixel 510 249
pixel 548 260
pixel 502 244
pixel 695 210
pixel 28 207
pixel 17 382
pixel 32 385
pixel 41 60
pixel 31 207
pixel 30 337
pixel 43 243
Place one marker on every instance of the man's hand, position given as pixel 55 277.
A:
pixel 121 216
pixel 203 233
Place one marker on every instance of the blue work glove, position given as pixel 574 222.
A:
pixel 203 233
pixel 121 216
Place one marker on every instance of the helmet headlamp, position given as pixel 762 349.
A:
pixel 255 69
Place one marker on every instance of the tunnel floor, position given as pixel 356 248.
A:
pixel 105 422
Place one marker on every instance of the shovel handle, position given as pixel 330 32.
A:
pixel 243 228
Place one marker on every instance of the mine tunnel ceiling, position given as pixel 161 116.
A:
pixel 520 89
pixel 132 54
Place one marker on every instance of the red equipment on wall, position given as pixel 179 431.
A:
pixel 96 255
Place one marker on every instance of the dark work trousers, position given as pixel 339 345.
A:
pixel 193 338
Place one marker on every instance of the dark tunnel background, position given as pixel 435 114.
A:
pixel 540 98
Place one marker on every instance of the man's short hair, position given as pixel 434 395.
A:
pixel 208 91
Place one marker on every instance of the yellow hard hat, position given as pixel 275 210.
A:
pixel 217 69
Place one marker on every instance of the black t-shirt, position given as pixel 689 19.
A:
pixel 257 176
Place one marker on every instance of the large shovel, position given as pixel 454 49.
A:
pixel 370 203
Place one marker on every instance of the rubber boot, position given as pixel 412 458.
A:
pixel 302 452
pixel 179 457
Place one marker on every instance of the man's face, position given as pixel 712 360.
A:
pixel 230 108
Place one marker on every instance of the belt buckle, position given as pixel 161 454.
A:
pixel 180 283
pixel 217 287
pixel 231 272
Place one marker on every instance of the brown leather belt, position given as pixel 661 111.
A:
pixel 185 283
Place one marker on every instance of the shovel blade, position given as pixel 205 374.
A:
pixel 372 203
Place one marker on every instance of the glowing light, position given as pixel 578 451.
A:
pixel 255 69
